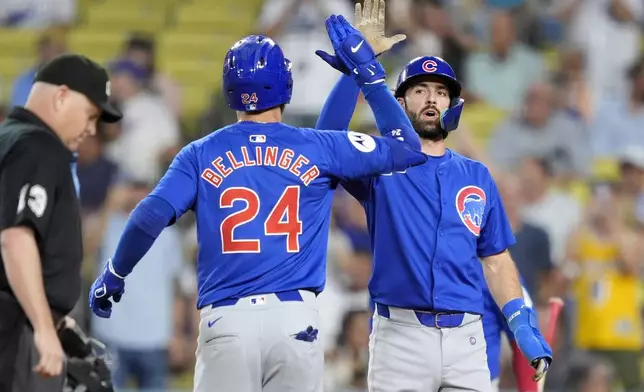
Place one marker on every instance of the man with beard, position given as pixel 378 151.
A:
pixel 431 227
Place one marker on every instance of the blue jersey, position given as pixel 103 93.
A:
pixel 262 198
pixel 429 226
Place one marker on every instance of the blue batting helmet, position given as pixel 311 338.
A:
pixel 256 75
pixel 439 68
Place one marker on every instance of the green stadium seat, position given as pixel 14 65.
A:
pixel 192 72
pixel 128 18
pixel 213 18
pixel 196 99
pixel 18 42
pixel 200 47
pixel 99 46
pixel 10 68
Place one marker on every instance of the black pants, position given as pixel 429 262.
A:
pixel 18 354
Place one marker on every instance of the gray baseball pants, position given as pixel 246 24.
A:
pixel 251 346
pixel 408 355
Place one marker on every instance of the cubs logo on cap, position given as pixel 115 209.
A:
pixel 430 66
pixel 470 204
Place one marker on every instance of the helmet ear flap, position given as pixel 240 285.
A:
pixel 450 117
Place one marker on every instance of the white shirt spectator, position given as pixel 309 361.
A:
pixel 37 14
pixel 148 129
pixel 610 46
pixel 559 215
pixel 303 34
pixel 143 319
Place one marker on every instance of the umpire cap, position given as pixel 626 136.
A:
pixel 83 76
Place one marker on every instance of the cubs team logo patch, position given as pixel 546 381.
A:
pixel 470 204
pixel 430 66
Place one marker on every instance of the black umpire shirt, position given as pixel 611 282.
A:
pixel 37 190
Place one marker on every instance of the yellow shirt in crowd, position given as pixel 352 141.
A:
pixel 608 301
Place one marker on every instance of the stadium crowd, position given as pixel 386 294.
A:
pixel 554 106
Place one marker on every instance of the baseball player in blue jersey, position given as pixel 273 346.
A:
pixel 431 227
pixel 261 192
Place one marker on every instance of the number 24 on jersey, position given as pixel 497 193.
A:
pixel 283 220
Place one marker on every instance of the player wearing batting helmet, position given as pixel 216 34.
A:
pixel 261 191
pixel 432 227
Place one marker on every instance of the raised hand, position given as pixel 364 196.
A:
pixel 353 54
pixel 370 21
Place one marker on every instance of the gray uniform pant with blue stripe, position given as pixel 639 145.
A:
pixel 407 356
pixel 251 347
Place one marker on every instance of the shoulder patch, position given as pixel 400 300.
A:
pixel 362 142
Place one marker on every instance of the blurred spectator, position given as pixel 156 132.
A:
pixel 141 333
pixel 630 192
pixel 618 120
pixel 544 206
pixel 573 93
pixel 348 273
pixel 339 253
pixel 298 27
pixel 96 173
pixel 502 75
pixel 37 14
pixel 50 45
pixel 541 130
pixel 431 32
pixel 607 288
pixel 149 134
pixel 591 375
pixel 347 364
pixel 531 252
pixel 351 219
pixel 142 51
pixel 608 33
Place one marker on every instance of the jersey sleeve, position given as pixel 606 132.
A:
pixel 496 232
pixel 391 119
pixel 178 187
pixel 351 155
pixel 29 179
pixel 339 106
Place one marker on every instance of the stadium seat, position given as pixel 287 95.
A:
pixel 551 58
pixel 213 17
pixel 18 42
pixel 605 169
pixel 200 47
pixel 10 68
pixel 127 18
pixel 192 72
pixel 196 99
pixel 99 46
pixel 482 119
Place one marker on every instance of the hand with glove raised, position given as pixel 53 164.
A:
pixel 109 285
pixel 370 21
pixel 522 321
pixel 353 54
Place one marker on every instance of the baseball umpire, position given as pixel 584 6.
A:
pixel 40 226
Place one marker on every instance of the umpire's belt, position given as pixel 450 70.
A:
pixel 284 296
pixel 428 319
